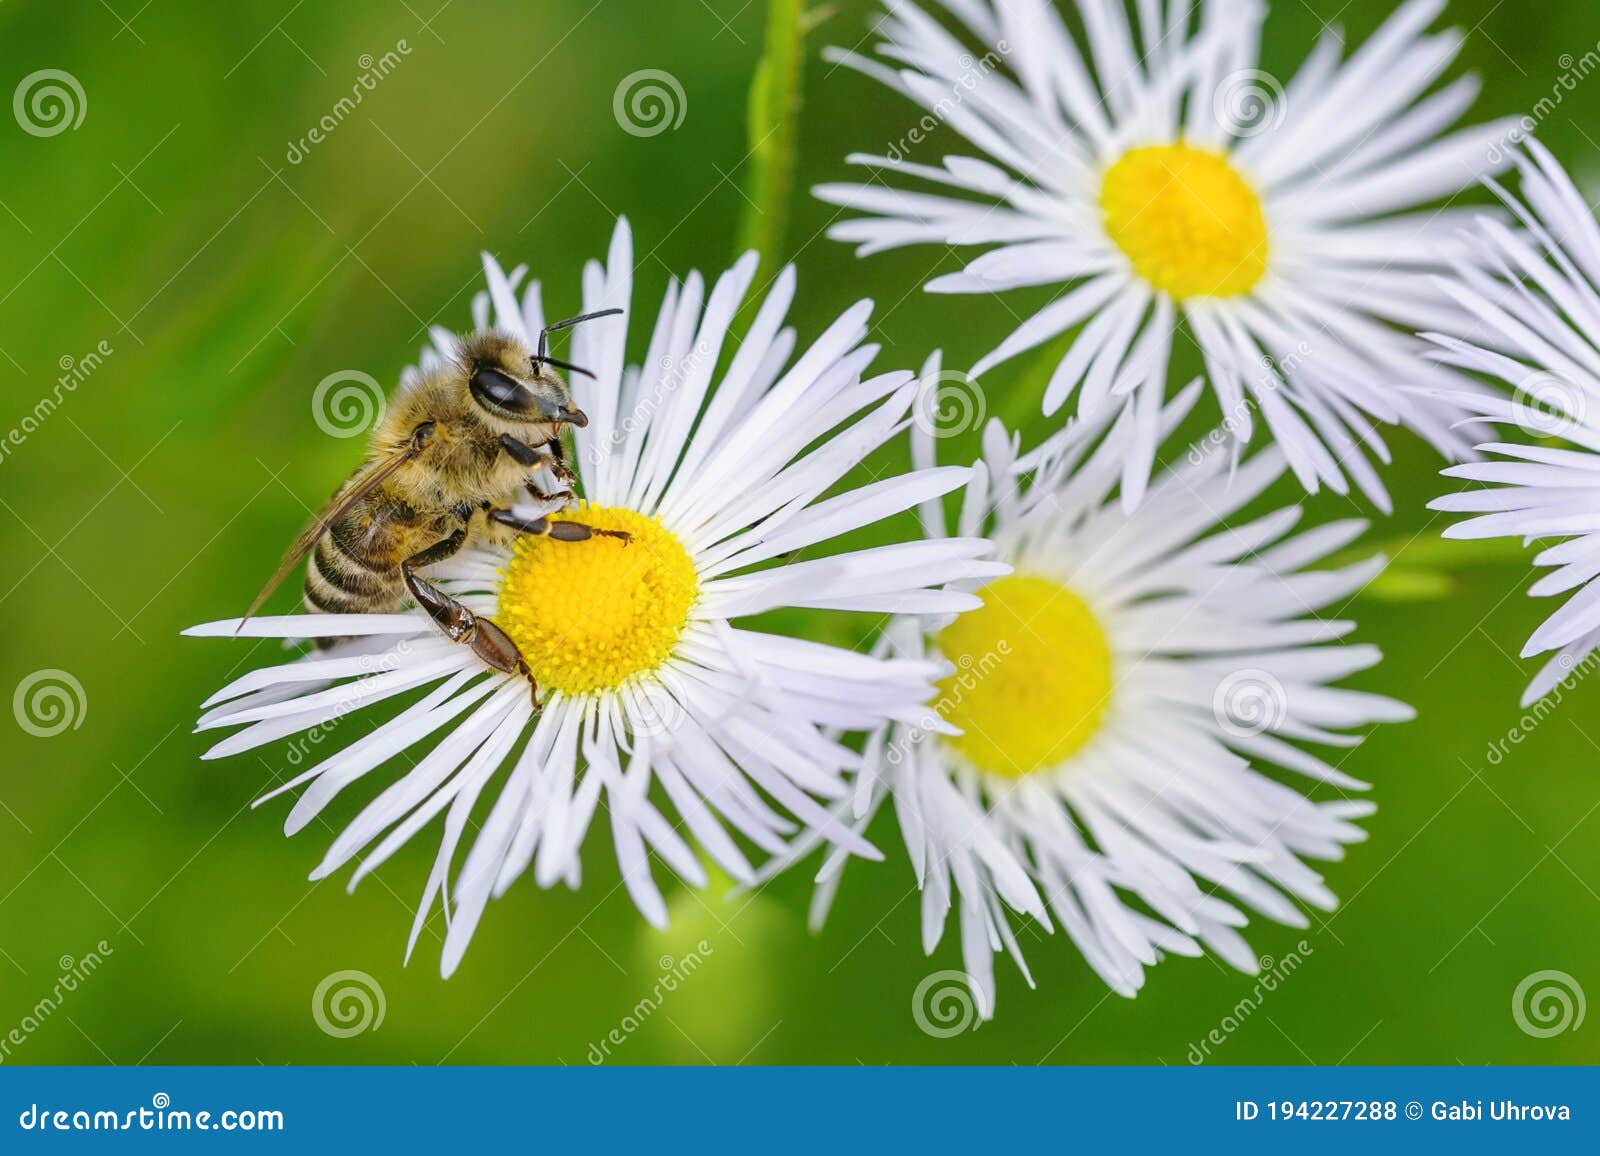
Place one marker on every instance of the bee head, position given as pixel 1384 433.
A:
pixel 517 386
pixel 509 383
pixel 524 399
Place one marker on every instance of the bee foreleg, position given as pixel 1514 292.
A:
pixel 521 452
pixel 488 641
pixel 550 457
pixel 559 531
pixel 567 498
pixel 558 465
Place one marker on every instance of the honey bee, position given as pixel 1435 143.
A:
pixel 442 468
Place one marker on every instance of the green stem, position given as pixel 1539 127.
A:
pixel 773 130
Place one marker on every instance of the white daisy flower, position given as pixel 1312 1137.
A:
pixel 1288 228
pixel 651 693
pixel 1535 302
pixel 1118 698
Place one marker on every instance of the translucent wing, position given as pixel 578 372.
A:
pixel 368 479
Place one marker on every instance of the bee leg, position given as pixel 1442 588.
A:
pixel 560 531
pixel 490 643
pixel 550 457
pixel 521 452
pixel 558 465
pixel 567 498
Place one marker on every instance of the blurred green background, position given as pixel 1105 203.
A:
pixel 227 281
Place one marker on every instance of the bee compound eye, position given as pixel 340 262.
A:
pixel 498 390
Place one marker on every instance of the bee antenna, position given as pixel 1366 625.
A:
pixel 544 336
pixel 567 365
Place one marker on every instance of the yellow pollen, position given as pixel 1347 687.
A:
pixel 590 615
pixel 1191 225
pixel 1032 680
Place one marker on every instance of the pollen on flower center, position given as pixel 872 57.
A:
pixel 590 615
pixel 1191 225
pixel 1032 680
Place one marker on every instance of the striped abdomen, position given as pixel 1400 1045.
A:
pixel 343 579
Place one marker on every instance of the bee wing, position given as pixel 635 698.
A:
pixel 369 478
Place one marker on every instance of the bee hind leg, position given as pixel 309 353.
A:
pixel 490 643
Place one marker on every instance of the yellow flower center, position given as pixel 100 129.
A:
pixel 590 615
pixel 1032 680
pixel 1191 225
